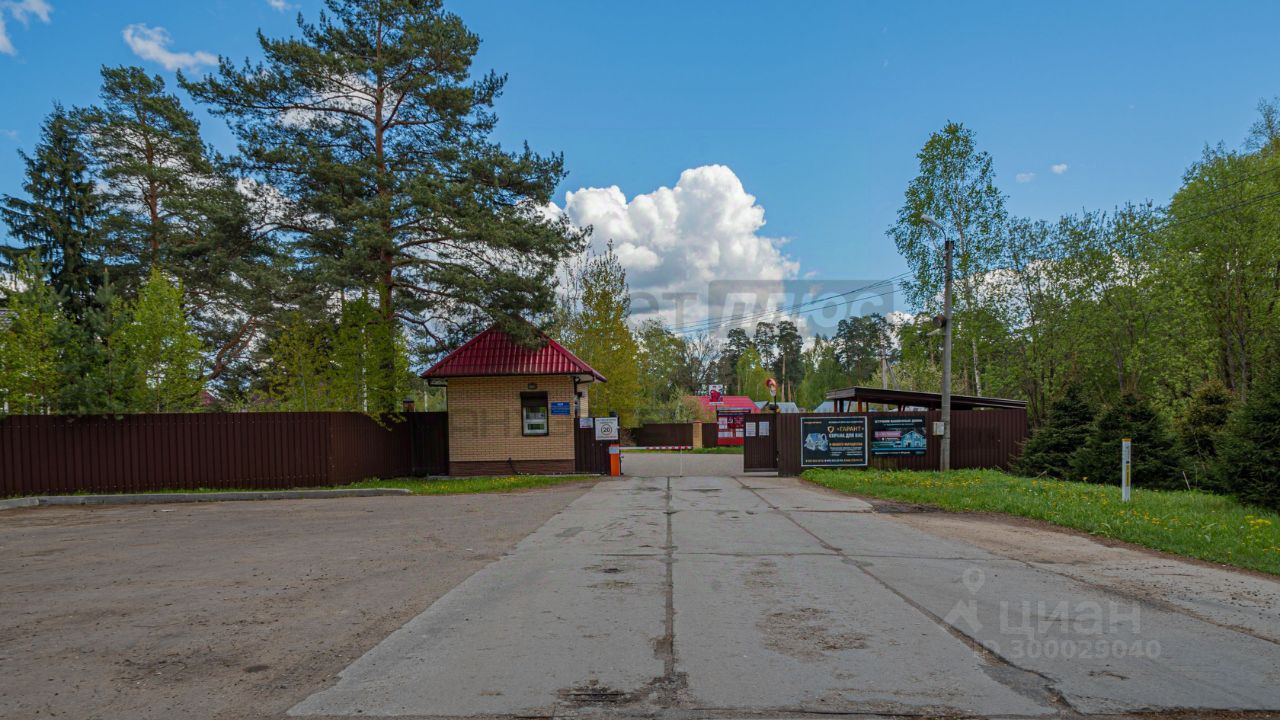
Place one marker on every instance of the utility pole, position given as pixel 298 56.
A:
pixel 945 459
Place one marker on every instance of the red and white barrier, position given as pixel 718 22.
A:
pixel 659 447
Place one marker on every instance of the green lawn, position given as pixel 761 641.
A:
pixel 1197 524
pixel 455 486
pixel 727 450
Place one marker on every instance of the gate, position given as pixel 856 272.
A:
pixel 590 455
pixel 429 443
pixel 760 442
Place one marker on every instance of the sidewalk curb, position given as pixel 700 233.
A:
pixel 156 498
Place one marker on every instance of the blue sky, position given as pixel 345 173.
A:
pixel 817 108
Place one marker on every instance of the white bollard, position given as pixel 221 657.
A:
pixel 1126 467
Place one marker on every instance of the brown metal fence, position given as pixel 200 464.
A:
pixel 710 434
pixel 132 453
pixel 979 439
pixel 659 434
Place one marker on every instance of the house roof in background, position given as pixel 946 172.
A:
pixel 494 352
pixel 728 402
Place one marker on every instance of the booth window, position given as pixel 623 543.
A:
pixel 534 413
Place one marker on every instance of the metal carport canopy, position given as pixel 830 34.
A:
pixel 881 396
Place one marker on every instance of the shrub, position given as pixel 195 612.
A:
pixel 1248 458
pixel 1157 459
pixel 1201 427
pixel 1066 427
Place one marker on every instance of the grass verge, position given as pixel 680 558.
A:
pixel 462 485
pixel 1196 524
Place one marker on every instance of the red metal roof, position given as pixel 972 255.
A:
pixel 728 402
pixel 494 352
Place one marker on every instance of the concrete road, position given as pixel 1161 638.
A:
pixel 727 597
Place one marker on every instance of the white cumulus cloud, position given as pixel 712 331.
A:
pixel 1059 168
pixel 152 44
pixel 675 242
pixel 280 5
pixel 1025 177
pixel 22 11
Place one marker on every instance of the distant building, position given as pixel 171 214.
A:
pixel 729 414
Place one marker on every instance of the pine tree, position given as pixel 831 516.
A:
pixel 30 322
pixel 58 218
pixel 1248 458
pixel 1157 459
pixel 162 349
pixel 375 127
pixel 1065 430
pixel 603 340
pixel 171 204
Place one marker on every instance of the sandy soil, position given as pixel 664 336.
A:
pixel 227 610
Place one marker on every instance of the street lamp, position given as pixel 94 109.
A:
pixel 945 461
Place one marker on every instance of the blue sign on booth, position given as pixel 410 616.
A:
pixel 559 408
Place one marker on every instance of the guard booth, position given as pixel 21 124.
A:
pixel 985 433
pixel 515 409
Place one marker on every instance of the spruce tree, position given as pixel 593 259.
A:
pixel 375 128
pixel 58 219
pixel 1201 427
pixel 1248 458
pixel 1065 430
pixel 1157 457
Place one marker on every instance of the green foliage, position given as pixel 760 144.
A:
pixel 170 203
pixel 1248 460
pixel 1201 525
pixel 30 323
pixel 598 333
pixel 159 346
pixel 58 219
pixel 861 344
pixel 375 129
pixel 823 373
pixel 1157 458
pixel 665 375
pixel 751 376
pixel 99 368
pixel 318 366
pixel 1065 431
pixel 1201 427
